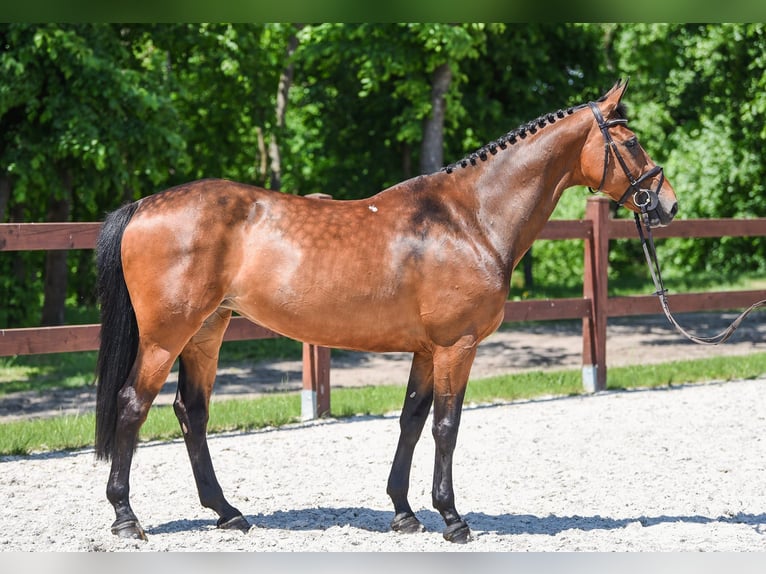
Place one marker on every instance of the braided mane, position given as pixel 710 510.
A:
pixel 521 132
pixel 510 138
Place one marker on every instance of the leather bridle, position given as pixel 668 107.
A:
pixel 647 200
pixel 644 199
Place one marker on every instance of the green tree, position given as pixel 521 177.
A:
pixel 85 121
pixel 702 101
pixel 223 80
pixel 363 95
pixel 371 101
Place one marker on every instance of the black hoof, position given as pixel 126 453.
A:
pixel 459 533
pixel 236 523
pixel 407 523
pixel 130 529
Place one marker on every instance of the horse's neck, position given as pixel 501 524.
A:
pixel 518 188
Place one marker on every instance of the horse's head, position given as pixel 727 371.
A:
pixel 615 163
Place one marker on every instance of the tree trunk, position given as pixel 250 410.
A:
pixel 261 169
pixel 56 271
pixel 406 161
pixel 285 81
pixel 5 195
pixel 432 149
pixel 609 34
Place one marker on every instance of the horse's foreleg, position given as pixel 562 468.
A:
pixel 451 369
pixel 417 404
pixel 133 401
pixel 196 377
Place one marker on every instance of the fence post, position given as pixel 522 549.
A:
pixel 315 397
pixel 595 289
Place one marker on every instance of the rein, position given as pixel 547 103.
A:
pixel 647 200
pixel 647 243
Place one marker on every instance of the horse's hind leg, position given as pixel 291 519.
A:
pixel 197 371
pixel 150 371
pixel 417 404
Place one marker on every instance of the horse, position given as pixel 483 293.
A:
pixel 421 267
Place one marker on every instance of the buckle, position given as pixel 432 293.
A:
pixel 646 200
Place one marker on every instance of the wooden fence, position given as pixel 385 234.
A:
pixel 596 229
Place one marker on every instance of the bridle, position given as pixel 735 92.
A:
pixel 647 200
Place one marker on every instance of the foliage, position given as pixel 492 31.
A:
pixel 76 98
pixel 702 102
pixel 366 88
pixel 85 120
pixel 222 79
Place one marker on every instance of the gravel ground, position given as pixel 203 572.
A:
pixel 678 469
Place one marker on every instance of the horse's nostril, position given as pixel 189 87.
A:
pixel 674 210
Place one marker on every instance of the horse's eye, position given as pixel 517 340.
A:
pixel 633 142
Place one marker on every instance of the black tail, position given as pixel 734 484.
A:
pixel 119 332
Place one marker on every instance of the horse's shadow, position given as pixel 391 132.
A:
pixel 324 518
pixel 516 524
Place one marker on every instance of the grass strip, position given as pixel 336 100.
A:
pixel 76 431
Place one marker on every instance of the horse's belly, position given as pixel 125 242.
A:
pixel 329 324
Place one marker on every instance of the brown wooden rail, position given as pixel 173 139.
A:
pixel 596 229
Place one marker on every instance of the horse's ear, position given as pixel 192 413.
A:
pixel 622 87
pixel 616 92
pixel 614 95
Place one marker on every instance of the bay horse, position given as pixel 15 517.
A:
pixel 422 267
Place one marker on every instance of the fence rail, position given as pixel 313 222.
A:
pixel 596 230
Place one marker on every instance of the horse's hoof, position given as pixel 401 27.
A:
pixel 459 533
pixel 129 529
pixel 407 523
pixel 237 523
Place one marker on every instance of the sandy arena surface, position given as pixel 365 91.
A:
pixel 664 470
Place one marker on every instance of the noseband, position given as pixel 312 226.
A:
pixel 647 200
pixel 644 199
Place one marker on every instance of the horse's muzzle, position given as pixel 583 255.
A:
pixel 659 211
